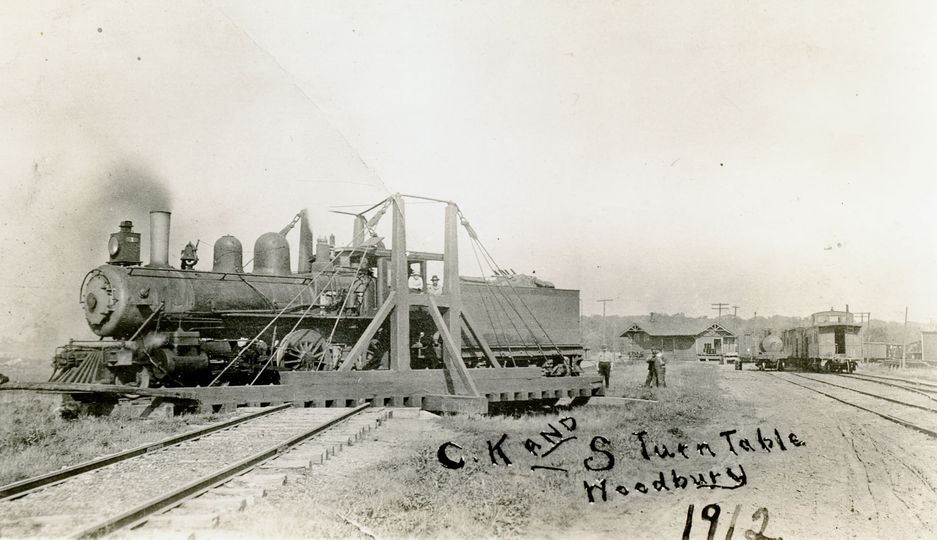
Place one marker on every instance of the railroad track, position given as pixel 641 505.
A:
pixel 921 418
pixel 897 382
pixel 127 489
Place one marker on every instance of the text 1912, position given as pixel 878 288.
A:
pixel 711 513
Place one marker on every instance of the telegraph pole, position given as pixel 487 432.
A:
pixel 904 339
pixel 865 320
pixel 735 312
pixel 720 307
pixel 604 326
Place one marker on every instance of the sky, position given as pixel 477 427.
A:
pixel 666 155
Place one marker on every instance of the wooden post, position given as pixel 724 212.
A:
pixel 451 286
pixel 453 362
pixel 400 322
pixel 471 328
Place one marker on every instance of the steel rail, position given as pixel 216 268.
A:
pixel 919 391
pixel 870 394
pixel 139 514
pixel 899 421
pixel 899 379
pixel 24 487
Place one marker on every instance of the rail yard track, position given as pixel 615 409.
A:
pixel 927 388
pixel 163 483
pixel 902 405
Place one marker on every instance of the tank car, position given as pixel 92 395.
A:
pixel 165 326
pixel 770 353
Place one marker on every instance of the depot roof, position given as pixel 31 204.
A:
pixel 675 328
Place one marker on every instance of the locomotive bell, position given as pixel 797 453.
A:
pixel 123 248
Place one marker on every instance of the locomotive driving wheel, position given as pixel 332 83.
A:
pixel 302 349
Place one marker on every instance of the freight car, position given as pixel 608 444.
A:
pixel 187 327
pixel 830 343
pixel 770 353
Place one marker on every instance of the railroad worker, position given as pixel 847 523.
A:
pixel 415 282
pixel 605 365
pixel 434 287
pixel 651 370
pixel 660 367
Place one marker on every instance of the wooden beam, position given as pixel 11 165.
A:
pixel 470 326
pixel 361 346
pixel 455 404
pixel 400 322
pixel 420 300
pixel 453 361
pixel 451 286
pixel 413 255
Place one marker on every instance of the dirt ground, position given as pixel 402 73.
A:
pixel 855 476
pixel 858 476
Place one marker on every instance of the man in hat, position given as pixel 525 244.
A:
pixel 651 369
pixel 660 368
pixel 415 282
pixel 434 287
pixel 605 365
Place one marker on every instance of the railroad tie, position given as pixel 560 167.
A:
pixel 214 502
pixel 257 478
pixel 185 522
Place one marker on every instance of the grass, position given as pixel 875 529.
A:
pixel 35 440
pixel 413 495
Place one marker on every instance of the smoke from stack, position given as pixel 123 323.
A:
pixel 63 223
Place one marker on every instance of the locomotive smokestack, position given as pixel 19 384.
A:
pixel 159 238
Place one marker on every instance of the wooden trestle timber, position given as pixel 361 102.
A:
pixel 425 388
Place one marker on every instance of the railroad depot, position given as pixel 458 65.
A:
pixel 689 340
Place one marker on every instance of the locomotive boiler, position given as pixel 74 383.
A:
pixel 165 326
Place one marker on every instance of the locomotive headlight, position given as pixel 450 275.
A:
pixel 113 246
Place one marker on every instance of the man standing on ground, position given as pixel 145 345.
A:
pixel 605 365
pixel 651 370
pixel 660 367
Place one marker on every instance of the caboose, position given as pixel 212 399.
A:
pixel 830 343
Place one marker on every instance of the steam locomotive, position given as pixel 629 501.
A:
pixel 165 326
